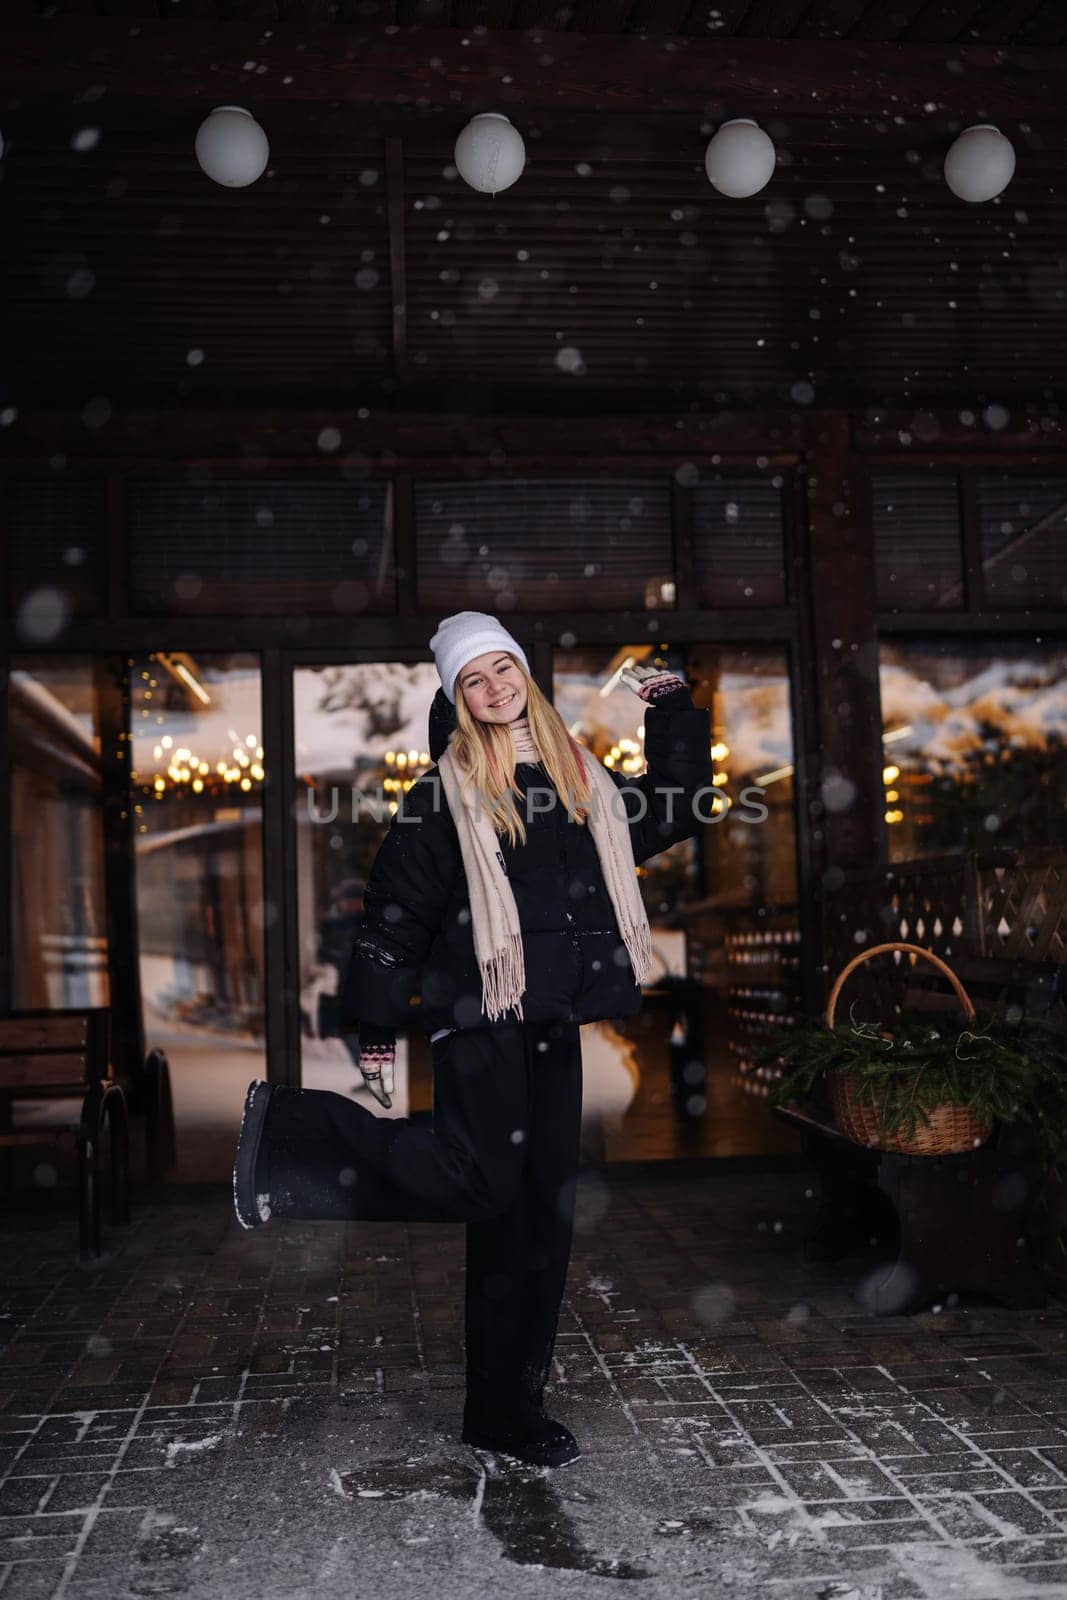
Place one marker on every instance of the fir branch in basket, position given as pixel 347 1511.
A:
pixel 1012 1071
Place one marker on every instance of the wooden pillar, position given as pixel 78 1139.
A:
pixel 281 934
pixel 7 843
pixel 112 674
pixel 845 798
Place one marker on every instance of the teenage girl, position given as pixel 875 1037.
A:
pixel 501 912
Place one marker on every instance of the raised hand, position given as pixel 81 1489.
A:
pixel 651 683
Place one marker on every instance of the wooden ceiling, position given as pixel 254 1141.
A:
pixel 1017 22
pixel 360 270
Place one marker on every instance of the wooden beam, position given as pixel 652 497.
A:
pixel 225 62
pixel 344 636
pixel 363 637
pixel 923 437
pixel 282 435
pixel 287 436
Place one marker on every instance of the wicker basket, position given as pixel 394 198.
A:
pixel 951 1129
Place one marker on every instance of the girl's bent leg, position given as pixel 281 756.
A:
pixel 329 1158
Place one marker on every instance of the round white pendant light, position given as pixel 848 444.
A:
pixel 490 154
pixel 231 147
pixel 980 164
pixel 739 159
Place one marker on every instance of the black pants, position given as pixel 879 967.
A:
pixel 502 1156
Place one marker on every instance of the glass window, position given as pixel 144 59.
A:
pixel 198 768
pixel 738 557
pixel 1023 523
pixel 917 541
pixel 361 734
pixel 56 530
pixel 722 907
pixel 58 919
pixel 974 750
pixel 544 544
pixel 261 545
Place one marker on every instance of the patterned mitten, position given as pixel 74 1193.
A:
pixel 376 1063
pixel 652 683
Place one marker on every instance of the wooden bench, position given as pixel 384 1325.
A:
pixel 952 1224
pixel 50 1055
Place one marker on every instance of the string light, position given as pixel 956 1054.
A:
pixel 187 769
pixel 404 761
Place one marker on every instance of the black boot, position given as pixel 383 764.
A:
pixel 537 1439
pixel 251 1198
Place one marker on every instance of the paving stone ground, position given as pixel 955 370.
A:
pixel 207 1412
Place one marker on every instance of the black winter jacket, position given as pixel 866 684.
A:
pixel 413 961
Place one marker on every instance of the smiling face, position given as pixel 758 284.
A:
pixel 493 687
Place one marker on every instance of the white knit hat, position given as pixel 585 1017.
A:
pixel 462 637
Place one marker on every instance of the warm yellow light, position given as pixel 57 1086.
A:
pixel 198 784
pixel 413 757
pixel 250 739
pixel 246 783
pixel 894 816
pixel 720 751
pixel 401 759
pixel 257 772
pixel 160 783
pixel 889 773
pixel 182 671
pixel 720 777
pixel 220 766
pixel 390 757
pixel 166 741
pixel 892 794
pixel 158 752
pixel 204 768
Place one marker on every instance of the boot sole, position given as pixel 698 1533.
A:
pixel 559 1457
pixel 253 1121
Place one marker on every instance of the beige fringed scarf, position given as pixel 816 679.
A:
pixel 497 936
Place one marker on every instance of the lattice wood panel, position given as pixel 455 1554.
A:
pixel 978 911
pixel 1024 910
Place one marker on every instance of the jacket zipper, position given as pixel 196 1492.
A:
pixel 569 914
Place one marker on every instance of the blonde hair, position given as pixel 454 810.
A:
pixel 484 752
